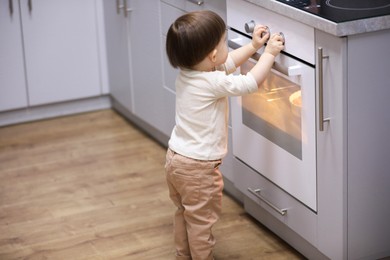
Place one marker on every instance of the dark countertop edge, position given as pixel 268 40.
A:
pixel 336 29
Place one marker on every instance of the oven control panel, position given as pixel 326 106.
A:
pixel 299 38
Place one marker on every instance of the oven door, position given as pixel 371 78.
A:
pixel 274 129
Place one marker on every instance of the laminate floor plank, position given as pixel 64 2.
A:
pixel 92 186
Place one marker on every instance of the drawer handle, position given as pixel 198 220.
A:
pixel 196 2
pixel 256 192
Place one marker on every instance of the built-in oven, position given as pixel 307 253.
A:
pixel 274 129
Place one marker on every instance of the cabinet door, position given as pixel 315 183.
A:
pixel 331 157
pixel 61 49
pixel 13 92
pixel 146 61
pixel 118 53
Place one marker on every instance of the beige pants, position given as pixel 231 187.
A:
pixel 195 187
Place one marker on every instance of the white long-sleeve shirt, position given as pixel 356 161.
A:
pixel 202 111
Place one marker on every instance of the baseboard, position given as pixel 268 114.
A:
pixel 54 110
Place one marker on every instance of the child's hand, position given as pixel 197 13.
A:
pixel 275 44
pixel 259 36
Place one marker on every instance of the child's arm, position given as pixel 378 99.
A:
pixel 263 66
pixel 243 53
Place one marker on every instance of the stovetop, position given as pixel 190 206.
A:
pixel 342 10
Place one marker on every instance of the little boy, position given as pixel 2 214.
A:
pixel 196 44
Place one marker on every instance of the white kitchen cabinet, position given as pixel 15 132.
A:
pixel 146 61
pixel 51 52
pixel 61 50
pixel 135 63
pixel 13 92
pixel 331 149
pixel 353 166
pixel 118 53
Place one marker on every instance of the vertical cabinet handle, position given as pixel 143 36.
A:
pixel 118 6
pixel 11 7
pixel 125 8
pixel 321 118
pixel 29 3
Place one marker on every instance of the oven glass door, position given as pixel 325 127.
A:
pixel 274 129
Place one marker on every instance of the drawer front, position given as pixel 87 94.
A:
pixel 299 37
pixel 274 200
pixel 218 6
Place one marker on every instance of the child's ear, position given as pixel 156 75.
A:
pixel 213 55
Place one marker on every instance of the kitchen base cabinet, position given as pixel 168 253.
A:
pixel 51 63
pixel 331 147
pixel 118 54
pixel 146 61
pixel 353 169
pixel 61 46
pixel 135 64
pixel 13 89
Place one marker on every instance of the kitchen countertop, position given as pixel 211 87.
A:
pixel 337 29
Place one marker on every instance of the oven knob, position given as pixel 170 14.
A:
pixel 267 30
pixel 250 26
pixel 283 38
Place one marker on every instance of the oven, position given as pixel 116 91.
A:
pixel 274 129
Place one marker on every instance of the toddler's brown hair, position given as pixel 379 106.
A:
pixel 192 37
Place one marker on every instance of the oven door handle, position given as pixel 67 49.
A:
pixel 294 70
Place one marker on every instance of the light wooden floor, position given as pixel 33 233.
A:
pixel 92 186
